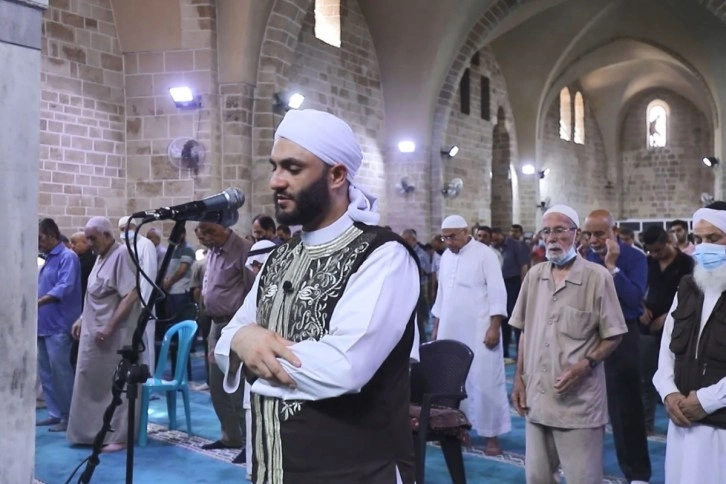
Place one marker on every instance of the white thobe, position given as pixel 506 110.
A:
pixel 471 290
pixel 695 453
pixel 366 325
pixel 148 262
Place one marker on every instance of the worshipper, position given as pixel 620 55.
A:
pixel 154 235
pixel 326 332
pixel 470 304
pixel 82 248
pixel 666 267
pixel 176 282
pixel 226 283
pixel 679 230
pixel 104 327
pixel 59 306
pixel 435 261
pixel 691 376
pixel 629 270
pixel 204 323
pixel 283 232
pixel 627 236
pixel 515 263
pixel 147 257
pixel 263 228
pixel 483 234
pixel 571 321
pixel 424 266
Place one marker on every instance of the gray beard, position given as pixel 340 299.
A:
pixel 714 280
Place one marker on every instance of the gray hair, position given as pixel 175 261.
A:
pixel 102 224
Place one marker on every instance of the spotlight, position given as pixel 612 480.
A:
pixel 282 103
pixel 543 173
pixel 184 98
pixel 451 152
pixel 711 161
pixel 528 169
pixel 406 146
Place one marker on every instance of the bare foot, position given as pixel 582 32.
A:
pixel 492 447
pixel 109 448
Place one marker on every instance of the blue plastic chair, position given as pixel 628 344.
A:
pixel 186 331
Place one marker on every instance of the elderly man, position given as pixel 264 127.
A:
pixel 571 321
pixel 146 252
pixel 103 328
pixel 154 235
pixel 691 376
pixel 629 270
pixel 326 332
pixel 59 305
pixel 226 283
pixel 470 303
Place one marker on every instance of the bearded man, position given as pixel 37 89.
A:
pixel 691 376
pixel 326 331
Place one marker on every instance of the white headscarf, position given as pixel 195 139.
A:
pixel 333 141
pixel 715 217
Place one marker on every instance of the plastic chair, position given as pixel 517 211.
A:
pixel 185 331
pixel 439 378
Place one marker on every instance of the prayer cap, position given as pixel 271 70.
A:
pixel 102 224
pixel 454 222
pixel 123 221
pixel 713 216
pixel 324 135
pixel 568 212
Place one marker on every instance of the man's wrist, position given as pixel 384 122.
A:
pixel 591 362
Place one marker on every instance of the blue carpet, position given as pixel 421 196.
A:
pixel 172 456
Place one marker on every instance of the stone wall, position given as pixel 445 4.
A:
pixel 665 182
pixel 82 132
pixel 482 199
pixel 345 81
pixel 578 172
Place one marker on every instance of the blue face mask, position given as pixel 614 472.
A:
pixel 564 258
pixel 710 256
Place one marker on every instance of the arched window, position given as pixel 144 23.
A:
pixel 579 119
pixel 565 114
pixel 656 126
pixel 327 21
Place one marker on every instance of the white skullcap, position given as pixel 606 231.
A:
pixel 102 224
pixel 454 222
pixel 712 216
pixel 333 141
pixel 568 212
pixel 261 258
pixel 123 221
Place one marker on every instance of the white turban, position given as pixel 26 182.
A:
pixel 568 212
pixel 333 141
pixel 102 224
pixel 261 258
pixel 454 222
pixel 714 217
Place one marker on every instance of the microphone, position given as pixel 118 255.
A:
pixel 287 287
pixel 225 204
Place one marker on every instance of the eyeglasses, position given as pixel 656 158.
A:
pixel 450 237
pixel 558 231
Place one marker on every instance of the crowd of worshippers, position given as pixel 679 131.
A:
pixel 308 346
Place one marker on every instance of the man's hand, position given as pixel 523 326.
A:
pixel 571 375
pixel 519 395
pixel 259 348
pixel 673 407
pixel 491 337
pixel 76 330
pixel 166 284
pixel 691 407
pixel 657 324
pixel 612 254
pixel 647 317
pixel 103 334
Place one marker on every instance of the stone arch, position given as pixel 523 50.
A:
pixel 502 202
pixel 276 57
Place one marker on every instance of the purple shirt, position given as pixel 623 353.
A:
pixel 59 277
pixel 226 280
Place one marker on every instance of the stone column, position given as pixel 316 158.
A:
pixel 20 41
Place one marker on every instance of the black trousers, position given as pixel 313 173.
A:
pixel 513 286
pixel 625 405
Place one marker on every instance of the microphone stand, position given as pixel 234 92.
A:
pixel 130 374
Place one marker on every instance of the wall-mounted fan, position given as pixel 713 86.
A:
pixel 707 199
pixel 187 154
pixel 405 186
pixel 453 188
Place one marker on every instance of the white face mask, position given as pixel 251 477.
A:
pixel 562 258
pixel 131 233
